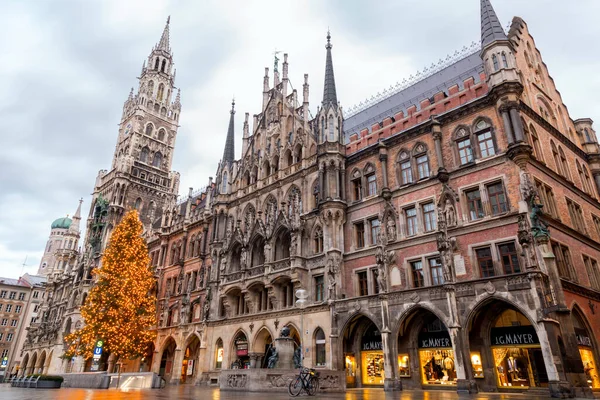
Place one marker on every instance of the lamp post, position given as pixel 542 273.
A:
pixel 301 295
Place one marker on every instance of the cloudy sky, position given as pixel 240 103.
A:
pixel 68 66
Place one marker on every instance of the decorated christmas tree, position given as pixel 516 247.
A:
pixel 120 309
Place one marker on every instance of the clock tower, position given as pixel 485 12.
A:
pixel 140 176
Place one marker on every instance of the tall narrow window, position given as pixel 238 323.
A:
pixel 497 198
pixel 429 220
pixel 374 230
pixel 320 348
pixel 144 155
pixel 557 161
pixel 486 144
pixel 318 240
pixel 417 274
pixel 363 283
pixel 423 166
pixel 437 273
pixel 219 354
pixel 484 260
pixel 510 258
pixel 406 171
pixel 474 204
pixel 372 184
pixel 564 163
pixel 319 288
pixel 465 151
pixel 504 60
pixel 149 129
pixel 411 221
pixel 563 262
pixel 224 183
pixel 535 143
pixel 331 129
pixel 359 229
pixel 495 62
pixel 357 188
pixel 157 160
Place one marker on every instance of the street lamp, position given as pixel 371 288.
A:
pixel 302 296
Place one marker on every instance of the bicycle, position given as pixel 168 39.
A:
pixel 307 380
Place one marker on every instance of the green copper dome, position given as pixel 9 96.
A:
pixel 62 223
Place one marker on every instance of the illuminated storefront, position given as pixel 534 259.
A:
pixel 517 354
pixel 241 351
pixel 372 357
pixel 403 365
pixel 586 351
pixel 436 356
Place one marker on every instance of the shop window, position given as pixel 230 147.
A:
pixel 375 225
pixel 497 198
pixel 474 204
pixel 319 288
pixel 465 151
pixel 510 258
pixel 576 215
pixel 372 360
pixel 485 262
pixel 418 276
pixel 591 267
pixel 518 358
pixel 403 365
pixel 586 351
pixel 429 219
pixel 436 355
pixel 436 271
pixel 363 283
pixel 372 184
pixel 241 351
pixel 411 221
pixel 359 233
pixel 476 364
pixel 320 355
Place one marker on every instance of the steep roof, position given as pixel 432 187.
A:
pixel 229 151
pixel 469 65
pixel 329 92
pixel 491 29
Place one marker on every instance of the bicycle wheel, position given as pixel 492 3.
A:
pixel 313 386
pixel 295 387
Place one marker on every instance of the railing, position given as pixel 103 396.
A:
pixel 234 276
pixel 256 271
pixel 281 264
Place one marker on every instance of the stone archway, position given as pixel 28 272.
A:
pixel 147 359
pixel 362 352
pixel 588 347
pixel 167 358
pixel 261 348
pixel 239 355
pixel 41 362
pixel 504 348
pixel 24 365
pixel 32 364
pixel 189 368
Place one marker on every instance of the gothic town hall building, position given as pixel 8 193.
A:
pixel 447 232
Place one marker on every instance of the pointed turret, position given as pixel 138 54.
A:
pixel 164 39
pixel 491 29
pixel 76 219
pixel 229 152
pixel 329 92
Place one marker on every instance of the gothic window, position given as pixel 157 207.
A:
pixel 421 161
pixel 224 183
pixel 564 164
pixel 161 90
pixel 588 137
pixel 534 141
pixel 371 178
pixel 156 63
pixel 157 161
pixel 557 161
pixel 406 175
pixel 138 204
pixel 357 185
pixel 322 129
pixel 156 107
pixel 144 155
pixel 289 158
pixel 161 134
pixel 149 129
pixel 320 354
pixel 331 132
pixel 495 62
pixel 162 67
pixel 504 60
pixel 318 240
pixel 151 86
pixel 484 138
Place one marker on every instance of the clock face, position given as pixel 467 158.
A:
pixel 127 129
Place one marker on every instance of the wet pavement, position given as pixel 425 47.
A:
pixel 186 392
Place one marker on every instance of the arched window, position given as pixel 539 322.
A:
pixel 138 204
pixel 588 137
pixel 149 129
pixel 163 66
pixel 405 168
pixel 556 157
pixel 318 240
pixel 421 161
pixel 161 90
pixel 504 61
pixel 588 181
pixel 219 354
pixel 320 354
pixel 495 62
pixel 144 155
pixel 156 63
pixel 535 143
pixel 564 164
pixel 156 107
pixel 484 138
pixel 157 161
pixel 161 134
pixel 151 86
pixel 224 183
pixel 331 131
pixel 322 129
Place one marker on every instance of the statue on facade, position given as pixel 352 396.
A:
pixel 267 252
pixel 391 228
pixel 297 358
pixel 539 228
pixel 450 213
pixel 243 258
pixel 294 245
pixel 273 358
pixel 185 309
pixel 331 286
pixel 223 266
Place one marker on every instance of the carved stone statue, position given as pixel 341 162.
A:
pixel 297 358
pixel 185 309
pixel 391 228
pixel 331 286
pixel 450 213
pixel 243 258
pixel 294 245
pixel 223 266
pixel 285 332
pixel 538 227
pixel 382 277
pixel 267 251
pixel 206 311
pixel 273 358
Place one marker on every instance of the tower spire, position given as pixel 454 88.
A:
pixel 76 218
pixel 229 152
pixel 491 29
pixel 329 93
pixel 164 39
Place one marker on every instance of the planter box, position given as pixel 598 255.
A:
pixel 48 385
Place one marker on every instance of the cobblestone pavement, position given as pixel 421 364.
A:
pixel 186 392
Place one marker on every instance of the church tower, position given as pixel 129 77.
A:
pixel 141 176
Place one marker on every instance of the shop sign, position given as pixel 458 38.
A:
pixel 4 362
pixel 372 341
pixel 582 338
pixel 242 348
pixel 429 340
pixel 514 336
